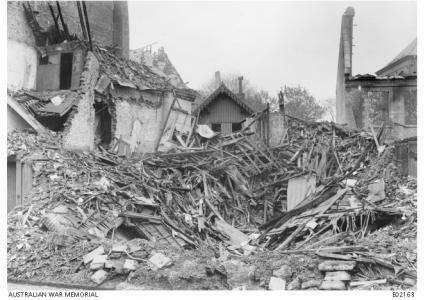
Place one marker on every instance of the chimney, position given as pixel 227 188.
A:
pixel 347 39
pixel 240 93
pixel 281 102
pixel 217 78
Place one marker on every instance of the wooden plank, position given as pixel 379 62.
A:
pixel 165 124
pixel 370 282
pixel 26 115
pixel 298 189
pixel 11 185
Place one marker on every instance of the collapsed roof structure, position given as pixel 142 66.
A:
pixel 210 211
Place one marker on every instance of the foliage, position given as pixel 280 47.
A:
pixel 299 103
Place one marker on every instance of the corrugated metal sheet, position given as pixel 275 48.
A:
pixel 19 182
pixel 298 189
pixel 11 185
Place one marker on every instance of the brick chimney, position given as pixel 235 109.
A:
pixel 344 69
pixel 217 78
pixel 240 93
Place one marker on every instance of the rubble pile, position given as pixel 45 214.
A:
pixel 318 195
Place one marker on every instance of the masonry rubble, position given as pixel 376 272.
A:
pixel 128 188
pixel 230 195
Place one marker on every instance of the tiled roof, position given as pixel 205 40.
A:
pixel 410 50
pixel 40 103
pixel 222 89
pixel 129 73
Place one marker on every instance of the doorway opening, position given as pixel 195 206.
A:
pixel 66 67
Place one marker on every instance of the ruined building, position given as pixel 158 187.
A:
pixel 78 80
pixel 68 73
pixel 370 101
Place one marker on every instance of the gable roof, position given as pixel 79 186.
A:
pixel 222 89
pixel 409 51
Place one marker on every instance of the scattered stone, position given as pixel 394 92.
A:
pixel 98 262
pixel 310 284
pixel 130 265
pixel 116 264
pixel 159 261
pixel 284 272
pixel 90 256
pixel 295 284
pixel 127 286
pixel 134 245
pixel 276 284
pixel 240 288
pixel 119 248
pixel 337 275
pixel 333 285
pixel 337 265
pixel 239 273
pixel 410 281
pixel 99 276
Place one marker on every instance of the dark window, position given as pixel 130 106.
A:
pixel 236 127
pixel 216 127
pixel 66 71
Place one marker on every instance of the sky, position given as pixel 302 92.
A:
pixel 272 44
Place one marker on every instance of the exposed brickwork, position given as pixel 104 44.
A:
pixel 108 22
pixel 79 134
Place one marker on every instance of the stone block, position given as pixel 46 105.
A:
pixel 99 276
pixel 337 275
pixel 276 283
pixel 159 261
pixel 336 265
pixel 130 265
pixel 333 285
pixel 284 272
pixel 311 284
pixel 90 256
pixel 295 284
pixel 98 262
pixel 119 248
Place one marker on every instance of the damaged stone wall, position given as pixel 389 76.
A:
pixel 22 57
pixel 108 20
pixel 139 117
pixel 78 134
pixel 393 105
pixel 108 23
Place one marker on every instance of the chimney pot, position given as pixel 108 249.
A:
pixel 241 94
pixel 218 78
